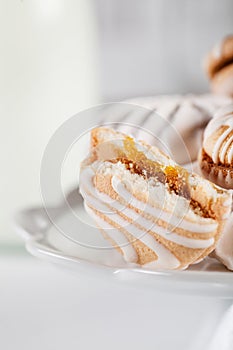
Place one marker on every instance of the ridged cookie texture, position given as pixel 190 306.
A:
pixel 184 118
pixel 216 156
pixel 153 212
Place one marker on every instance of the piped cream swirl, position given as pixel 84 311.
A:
pixel 218 137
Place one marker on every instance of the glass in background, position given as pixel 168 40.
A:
pixel 48 54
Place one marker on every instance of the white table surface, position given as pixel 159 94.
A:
pixel 45 307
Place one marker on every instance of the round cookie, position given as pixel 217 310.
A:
pixel 216 155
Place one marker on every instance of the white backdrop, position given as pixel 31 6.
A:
pixel 156 46
pixel 47 73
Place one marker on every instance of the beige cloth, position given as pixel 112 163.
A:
pixel 176 122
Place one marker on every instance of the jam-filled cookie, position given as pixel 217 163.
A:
pixel 154 212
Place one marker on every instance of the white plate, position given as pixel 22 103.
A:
pixel 44 240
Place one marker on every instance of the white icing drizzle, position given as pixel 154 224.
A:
pixel 224 117
pixel 117 236
pixel 216 155
pixel 147 225
pixel 165 258
pixel 225 150
pixel 144 223
pixel 159 213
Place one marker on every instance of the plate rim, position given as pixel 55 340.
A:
pixel 35 243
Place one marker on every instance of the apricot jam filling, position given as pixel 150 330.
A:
pixel 174 177
pixel 137 162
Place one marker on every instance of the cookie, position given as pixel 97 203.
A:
pixel 216 155
pixel 154 212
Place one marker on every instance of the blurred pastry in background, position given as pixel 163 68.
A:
pixel 216 155
pixel 219 67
